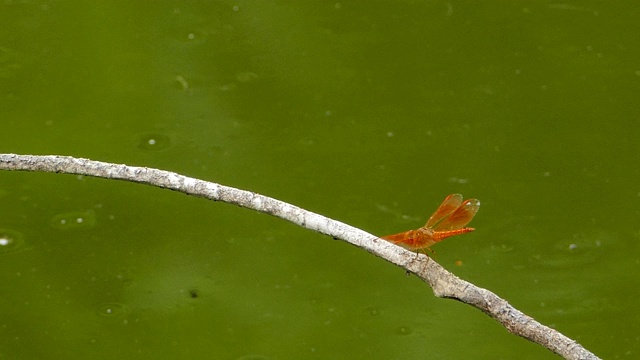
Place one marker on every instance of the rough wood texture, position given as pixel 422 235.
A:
pixel 443 283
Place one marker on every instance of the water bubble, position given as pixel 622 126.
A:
pixel 74 220
pixel 195 36
pixel 153 142
pixel 11 241
pixel 112 310
pixel 404 330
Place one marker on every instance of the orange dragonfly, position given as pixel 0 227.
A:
pixel 449 220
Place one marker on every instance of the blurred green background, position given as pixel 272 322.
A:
pixel 369 112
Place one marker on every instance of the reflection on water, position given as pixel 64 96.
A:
pixel 11 241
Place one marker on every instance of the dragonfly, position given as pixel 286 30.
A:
pixel 449 220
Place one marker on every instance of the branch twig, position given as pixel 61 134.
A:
pixel 443 283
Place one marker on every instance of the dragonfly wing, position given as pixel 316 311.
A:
pixel 448 206
pixel 460 216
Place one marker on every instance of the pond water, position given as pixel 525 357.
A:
pixel 369 113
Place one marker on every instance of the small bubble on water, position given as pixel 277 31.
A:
pixel 74 220
pixel 403 330
pixel 111 310
pixel 153 142
pixel 11 241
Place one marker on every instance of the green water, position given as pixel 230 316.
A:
pixel 366 112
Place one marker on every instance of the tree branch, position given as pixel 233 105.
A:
pixel 443 283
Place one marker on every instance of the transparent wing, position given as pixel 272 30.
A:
pixel 460 216
pixel 448 206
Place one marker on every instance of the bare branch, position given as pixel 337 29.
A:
pixel 443 283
